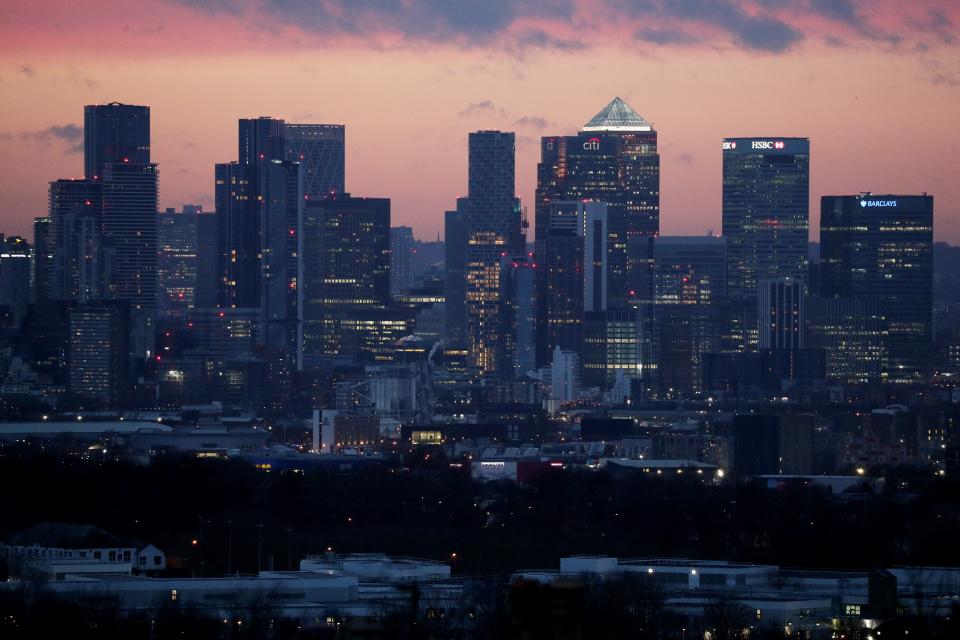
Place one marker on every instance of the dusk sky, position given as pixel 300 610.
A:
pixel 874 85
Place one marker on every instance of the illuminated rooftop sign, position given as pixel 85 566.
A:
pixel 878 203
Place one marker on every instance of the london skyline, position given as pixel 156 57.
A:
pixel 871 86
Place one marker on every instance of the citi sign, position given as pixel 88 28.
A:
pixel 767 144
pixel 878 203
pixel 593 144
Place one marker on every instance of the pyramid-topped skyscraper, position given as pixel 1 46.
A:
pixel 613 159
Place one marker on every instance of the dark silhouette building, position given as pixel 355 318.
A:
pixel 880 247
pixel 345 272
pixel 114 133
pixel 455 277
pixel 494 230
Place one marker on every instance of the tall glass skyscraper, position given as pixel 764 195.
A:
pixel 766 211
pixel 880 248
pixel 613 159
pixel 345 273
pixel 493 231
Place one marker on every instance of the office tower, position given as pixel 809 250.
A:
pixel 208 261
pixel 852 332
pixel 613 159
pixel 614 346
pixel 588 221
pixel 281 213
pixel 575 261
pixel 117 156
pixel 519 314
pixel 14 278
pixel 690 270
pixel 320 149
pixel 780 313
pixel 238 236
pixel 130 232
pixel 880 247
pixel 260 139
pixel 114 133
pixel 561 309
pixel 689 283
pixel 401 249
pixel 98 353
pixel 75 213
pixel 766 193
pixel 766 202
pixel 455 278
pixel 43 257
pixel 345 255
pixel 493 230
pixel 685 334
pixel 177 259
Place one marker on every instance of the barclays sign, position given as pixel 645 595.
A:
pixel 878 203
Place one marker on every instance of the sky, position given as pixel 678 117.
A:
pixel 874 85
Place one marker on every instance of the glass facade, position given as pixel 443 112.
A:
pixel 493 223
pixel 880 247
pixel 345 270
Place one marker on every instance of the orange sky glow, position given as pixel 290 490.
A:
pixel 875 86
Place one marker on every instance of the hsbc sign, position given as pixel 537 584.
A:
pixel 767 144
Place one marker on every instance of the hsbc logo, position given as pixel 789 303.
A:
pixel 729 145
pixel 593 144
pixel 877 203
pixel 767 144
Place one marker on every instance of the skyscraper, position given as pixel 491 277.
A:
pixel 690 270
pixel 493 231
pixel 689 282
pixel 177 259
pixel 880 247
pixel 43 257
pixel 260 139
pixel 401 249
pixel 98 353
pixel 519 314
pixel 281 216
pixel 345 269
pixel 238 236
pixel 208 261
pixel 613 159
pixel 130 232
pixel 117 155
pixel 575 259
pixel 780 317
pixel 113 133
pixel 766 202
pixel 76 212
pixel 455 279
pixel 320 149
pixel 14 278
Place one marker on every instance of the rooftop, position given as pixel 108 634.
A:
pixel 617 116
